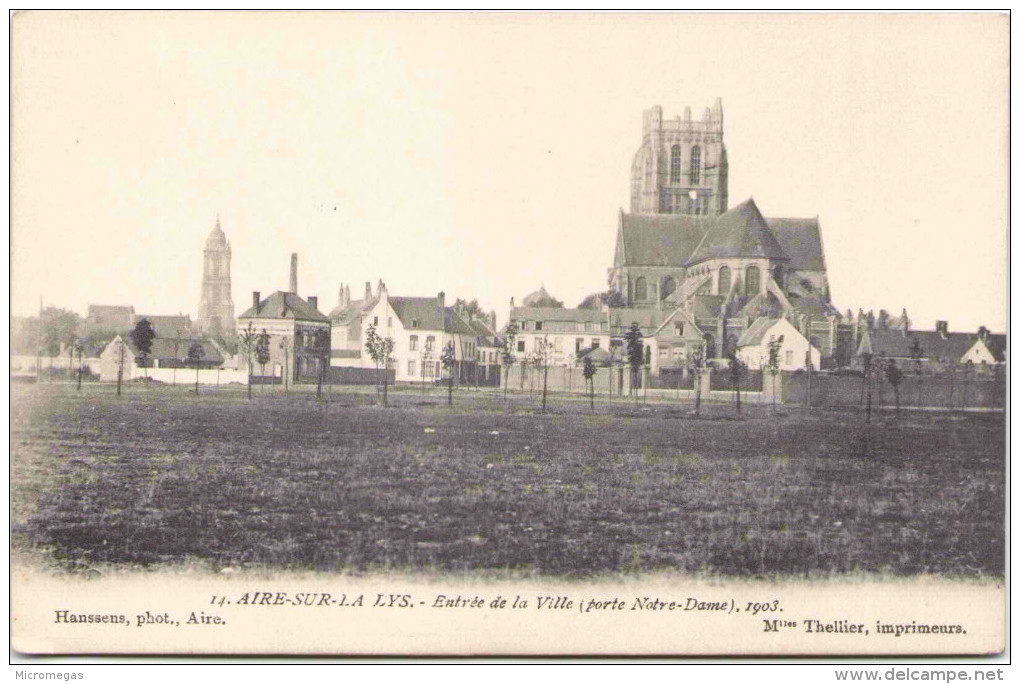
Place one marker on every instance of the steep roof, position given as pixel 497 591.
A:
pixel 997 345
pixel 285 305
pixel 649 320
pixel 740 232
pixel 893 343
pixel 707 306
pixel 661 239
pixel 177 348
pixel 427 312
pixel 814 306
pixel 167 326
pixel 801 240
pixel 756 332
pixel 542 313
pixel 343 315
pixel 672 239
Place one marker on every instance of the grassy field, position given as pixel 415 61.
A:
pixel 159 476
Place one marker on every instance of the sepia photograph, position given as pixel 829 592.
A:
pixel 508 334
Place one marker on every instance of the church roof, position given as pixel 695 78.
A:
pixel 673 239
pixel 707 306
pixel 539 297
pixel 285 305
pixel 814 306
pixel 660 239
pixel 740 232
pixel 801 240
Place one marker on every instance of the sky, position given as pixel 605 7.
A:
pixel 485 155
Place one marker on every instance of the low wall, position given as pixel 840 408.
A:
pixel 569 379
pixel 186 376
pixel 927 391
pixel 343 375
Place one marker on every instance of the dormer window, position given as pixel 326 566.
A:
pixel 538 325
pixel 414 322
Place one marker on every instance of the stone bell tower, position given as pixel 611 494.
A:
pixel 216 307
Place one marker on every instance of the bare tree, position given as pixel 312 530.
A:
pixel 120 356
pixel 448 359
pixel 285 347
pixel 696 365
pixel 379 349
pixel 737 371
pixel 247 341
pixel 543 351
pixel 895 376
pixel 262 353
pixel 635 353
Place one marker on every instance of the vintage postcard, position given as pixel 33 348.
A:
pixel 515 334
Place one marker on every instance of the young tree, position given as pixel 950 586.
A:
pixel 379 349
pixel 635 353
pixel 246 343
pixel 195 355
pixel 589 369
pixel 646 377
pixel 894 375
pixel 285 347
pixel 448 359
pixel 79 349
pixel 320 345
pixel 917 354
pixel 59 328
pixel 262 352
pixel 696 366
pixel 426 367
pixel 866 385
pixel 775 347
pixel 142 336
pixel 737 370
pixel 508 347
pixel 543 351
pixel 120 356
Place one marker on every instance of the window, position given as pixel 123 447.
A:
pixel 664 353
pixel 678 328
pixel 520 345
pixel 439 369
pixel 578 343
pixel 753 280
pixel 430 343
pixel 411 368
pixel 414 343
pixel 414 322
pixel 558 345
pixel 640 289
pixel 538 325
pixel 594 343
pixel 668 286
pixel 674 165
pixel 695 165
pixel 389 322
pixel 524 325
pixel 789 358
pixel 724 280
pixel 375 321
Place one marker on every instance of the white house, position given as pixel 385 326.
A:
pixel 420 328
pixel 568 331
pixel 753 345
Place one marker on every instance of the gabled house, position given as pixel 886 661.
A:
pixel 935 348
pixel 347 347
pixel 420 328
pixel 165 353
pixel 293 325
pixel 568 331
pixel 794 351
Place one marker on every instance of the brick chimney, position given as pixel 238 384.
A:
pixel 255 300
pixel 313 302
pixel 293 273
pixel 442 300
pixel 368 290
pixel 942 328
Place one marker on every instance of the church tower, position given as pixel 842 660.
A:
pixel 216 307
pixel 681 166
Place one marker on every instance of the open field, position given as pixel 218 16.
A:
pixel 160 476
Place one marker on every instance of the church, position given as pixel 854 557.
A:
pixel 682 250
